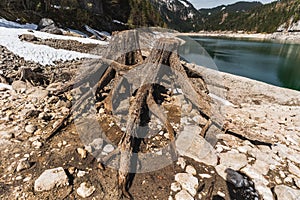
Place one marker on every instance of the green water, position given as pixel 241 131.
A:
pixel 274 63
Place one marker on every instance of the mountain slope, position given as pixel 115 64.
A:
pixel 242 6
pixel 178 14
pixel 264 18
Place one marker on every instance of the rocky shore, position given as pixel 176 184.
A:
pixel 258 159
pixel 281 37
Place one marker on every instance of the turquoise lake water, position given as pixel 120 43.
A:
pixel 274 63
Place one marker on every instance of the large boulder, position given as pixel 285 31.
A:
pixel 49 26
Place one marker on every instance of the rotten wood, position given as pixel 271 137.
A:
pixel 124 54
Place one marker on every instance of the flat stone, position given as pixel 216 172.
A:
pixel 183 195
pixel 23 164
pixel 50 179
pixel 267 157
pixel 261 167
pixel 233 160
pixel 211 135
pixel 84 191
pixel 19 86
pixel 244 149
pixel 188 182
pixel 286 193
pixel 285 152
pixel 189 143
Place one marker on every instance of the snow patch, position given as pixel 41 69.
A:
pixel 41 54
pixel 118 22
pixel 184 3
pixel 10 24
pixel 44 35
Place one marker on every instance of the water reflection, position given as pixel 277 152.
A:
pixel 274 63
pixel 289 70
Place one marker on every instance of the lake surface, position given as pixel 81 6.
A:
pixel 273 63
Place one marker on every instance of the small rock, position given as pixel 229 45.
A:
pixel 191 170
pixel 101 111
pixel 85 191
pixel 71 170
pixel 88 148
pixel 30 128
pixel 28 37
pixel 50 179
pixel 282 174
pixel 181 162
pixel 221 194
pixel 189 143
pixel 23 164
pixel 108 148
pixel 183 195
pixel 81 173
pixel 175 187
pixel 37 144
pixel 278 180
pixel 26 179
pixel 288 180
pixel 205 175
pixel 82 152
pixel 188 182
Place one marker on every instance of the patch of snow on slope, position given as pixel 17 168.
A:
pixel 184 3
pixel 45 35
pixel 42 54
pixel 10 24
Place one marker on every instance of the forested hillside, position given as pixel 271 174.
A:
pixel 100 14
pixel 265 18
pixel 175 14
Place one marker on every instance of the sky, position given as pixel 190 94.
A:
pixel 214 3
